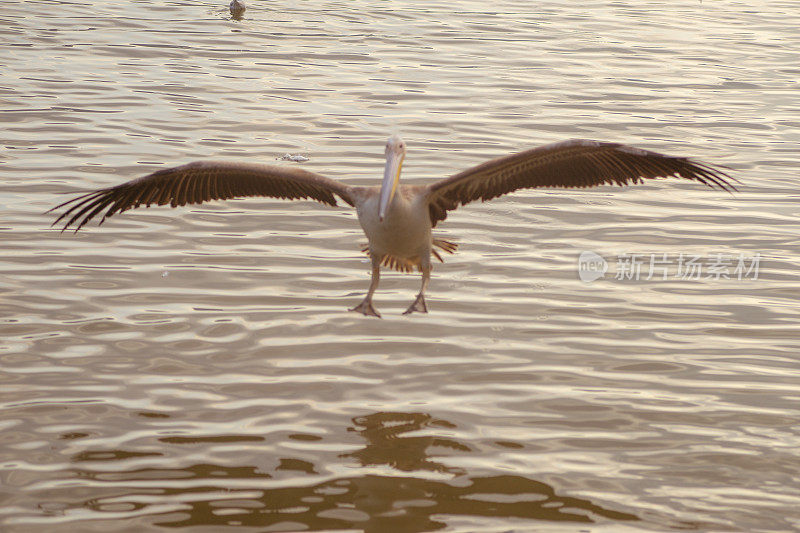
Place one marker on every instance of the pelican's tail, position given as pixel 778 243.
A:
pixel 447 246
pixel 408 265
pixel 396 263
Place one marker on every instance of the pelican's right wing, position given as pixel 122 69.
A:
pixel 575 163
pixel 199 182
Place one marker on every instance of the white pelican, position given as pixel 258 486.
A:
pixel 397 219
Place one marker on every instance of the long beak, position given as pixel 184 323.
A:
pixel 391 177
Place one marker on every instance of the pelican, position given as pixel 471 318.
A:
pixel 397 219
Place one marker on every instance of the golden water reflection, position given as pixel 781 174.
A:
pixel 224 495
pixel 408 453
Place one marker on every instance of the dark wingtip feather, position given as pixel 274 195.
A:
pixel 75 199
pixel 718 176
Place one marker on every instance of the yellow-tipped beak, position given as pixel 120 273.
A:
pixel 391 177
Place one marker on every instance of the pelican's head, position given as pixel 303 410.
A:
pixel 395 153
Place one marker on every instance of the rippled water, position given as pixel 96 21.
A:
pixel 198 367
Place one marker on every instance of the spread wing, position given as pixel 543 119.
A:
pixel 199 182
pixel 575 163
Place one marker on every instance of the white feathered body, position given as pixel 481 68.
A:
pixel 403 238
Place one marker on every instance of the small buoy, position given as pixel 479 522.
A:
pixel 237 7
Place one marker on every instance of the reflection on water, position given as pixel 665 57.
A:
pixel 217 495
pixel 408 453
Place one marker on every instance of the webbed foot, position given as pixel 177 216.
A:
pixel 418 305
pixel 366 308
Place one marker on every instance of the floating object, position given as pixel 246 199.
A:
pixel 397 219
pixel 237 8
pixel 297 158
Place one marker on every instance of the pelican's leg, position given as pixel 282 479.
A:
pixel 365 307
pixel 419 303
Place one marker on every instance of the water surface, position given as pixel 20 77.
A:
pixel 198 367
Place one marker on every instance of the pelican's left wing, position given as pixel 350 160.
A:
pixel 199 182
pixel 575 163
